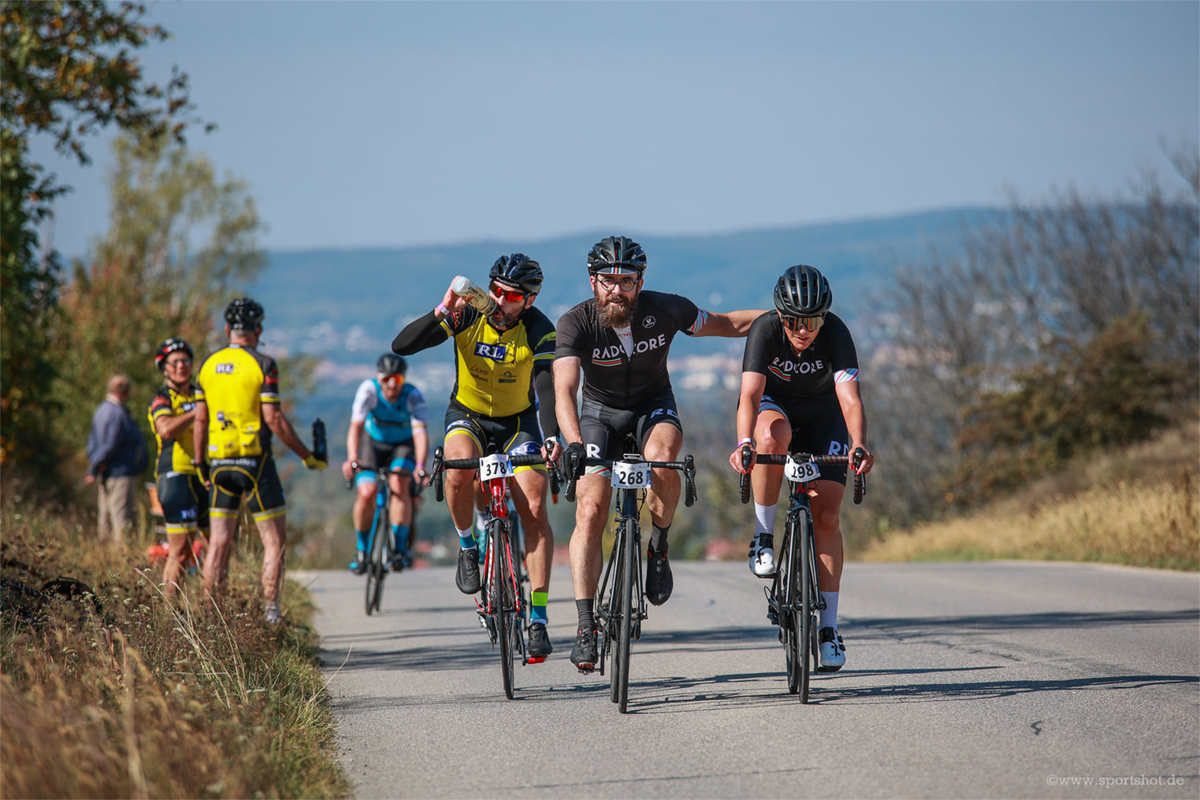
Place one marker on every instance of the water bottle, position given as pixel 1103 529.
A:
pixel 319 448
pixel 475 296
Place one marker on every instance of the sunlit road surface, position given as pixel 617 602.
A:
pixel 962 680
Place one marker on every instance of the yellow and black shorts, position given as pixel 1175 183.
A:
pixel 184 502
pixel 518 435
pixel 252 476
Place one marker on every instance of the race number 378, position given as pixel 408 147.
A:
pixel 494 467
pixel 630 475
pixel 801 471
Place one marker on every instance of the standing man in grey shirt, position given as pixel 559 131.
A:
pixel 116 455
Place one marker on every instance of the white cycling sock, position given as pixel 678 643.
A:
pixel 829 615
pixel 764 518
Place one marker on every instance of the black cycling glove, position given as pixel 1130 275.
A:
pixel 573 460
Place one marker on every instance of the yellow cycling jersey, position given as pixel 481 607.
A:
pixel 494 369
pixel 234 383
pixel 174 455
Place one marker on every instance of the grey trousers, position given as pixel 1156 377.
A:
pixel 116 508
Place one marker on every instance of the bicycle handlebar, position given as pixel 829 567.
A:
pixel 687 467
pixel 356 468
pixel 441 464
pixel 860 481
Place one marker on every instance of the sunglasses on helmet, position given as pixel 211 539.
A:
pixel 810 324
pixel 505 294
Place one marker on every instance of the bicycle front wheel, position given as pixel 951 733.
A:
pixel 501 598
pixel 785 596
pixel 612 627
pixel 626 581
pixel 375 569
pixel 805 626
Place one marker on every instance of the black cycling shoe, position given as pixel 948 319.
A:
pixel 585 655
pixel 659 582
pixel 467 576
pixel 539 643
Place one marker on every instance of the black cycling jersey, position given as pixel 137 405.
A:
pixel 831 358
pixel 611 376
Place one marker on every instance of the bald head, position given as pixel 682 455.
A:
pixel 118 385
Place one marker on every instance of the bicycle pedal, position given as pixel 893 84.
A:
pixel 533 660
pixel 586 669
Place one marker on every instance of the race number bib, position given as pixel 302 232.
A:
pixel 494 467
pixel 801 471
pixel 630 475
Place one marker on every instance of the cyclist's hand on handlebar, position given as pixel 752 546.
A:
pixel 312 462
pixel 573 460
pixel 736 458
pixel 867 461
pixel 348 470
pixel 552 450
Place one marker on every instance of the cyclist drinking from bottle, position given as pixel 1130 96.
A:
pixel 503 398
pixel 620 339
pixel 800 393
pixel 391 412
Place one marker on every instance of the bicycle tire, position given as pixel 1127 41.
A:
pixel 500 593
pixel 786 609
pixel 372 573
pixel 613 626
pixel 625 637
pixel 804 627
pixel 385 560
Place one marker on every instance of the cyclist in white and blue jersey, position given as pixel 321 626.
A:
pixel 391 412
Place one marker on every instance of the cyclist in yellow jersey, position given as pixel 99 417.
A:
pixel 181 493
pixel 237 409
pixel 503 399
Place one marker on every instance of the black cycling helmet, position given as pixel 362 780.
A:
pixel 518 270
pixel 243 314
pixel 616 255
pixel 170 346
pixel 802 291
pixel 391 364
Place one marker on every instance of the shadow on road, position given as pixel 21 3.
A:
pixel 905 627
pixel 843 693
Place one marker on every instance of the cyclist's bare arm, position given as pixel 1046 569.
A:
pixel 731 325
pixel 753 385
pixel 279 424
pixel 856 421
pixel 167 426
pixel 566 389
pixel 200 431
pixel 420 446
pixel 353 437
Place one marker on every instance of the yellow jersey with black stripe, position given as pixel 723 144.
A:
pixel 174 454
pixel 235 382
pixel 494 369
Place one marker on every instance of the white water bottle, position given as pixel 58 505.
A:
pixel 475 296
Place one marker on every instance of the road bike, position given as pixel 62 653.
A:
pixel 504 605
pixel 380 550
pixel 794 597
pixel 620 600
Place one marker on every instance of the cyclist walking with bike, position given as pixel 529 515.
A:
pixel 800 393
pixel 502 401
pixel 620 339
pixel 391 413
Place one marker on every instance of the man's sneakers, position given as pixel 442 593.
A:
pixel 273 617
pixel 659 582
pixel 467 576
pixel 585 655
pixel 762 556
pixel 359 565
pixel 833 652
pixel 539 643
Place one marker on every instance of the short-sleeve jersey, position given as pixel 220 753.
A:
pixel 389 423
pixel 611 375
pixel 174 454
pixel 494 369
pixel 235 382
pixel 831 358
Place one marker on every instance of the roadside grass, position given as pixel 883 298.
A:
pixel 1136 506
pixel 117 695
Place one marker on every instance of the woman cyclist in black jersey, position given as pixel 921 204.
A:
pixel 800 393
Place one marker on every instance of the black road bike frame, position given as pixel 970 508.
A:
pixel 379 544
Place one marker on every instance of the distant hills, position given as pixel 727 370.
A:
pixel 346 305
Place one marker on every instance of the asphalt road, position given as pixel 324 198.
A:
pixel 1006 679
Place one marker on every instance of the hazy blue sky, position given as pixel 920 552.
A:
pixel 389 123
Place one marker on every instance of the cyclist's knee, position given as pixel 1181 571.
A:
pixel 366 491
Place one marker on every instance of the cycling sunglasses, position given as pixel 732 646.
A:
pixel 506 294
pixel 811 324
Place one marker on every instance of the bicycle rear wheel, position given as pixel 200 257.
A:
pixel 626 581
pixel 805 627
pixel 374 560
pixel 500 598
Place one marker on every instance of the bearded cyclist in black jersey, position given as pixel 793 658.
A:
pixel 800 393
pixel 620 339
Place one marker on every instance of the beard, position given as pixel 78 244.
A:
pixel 616 312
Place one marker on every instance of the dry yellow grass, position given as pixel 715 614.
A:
pixel 1137 507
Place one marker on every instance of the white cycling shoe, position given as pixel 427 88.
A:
pixel 833 652
pixel 762 559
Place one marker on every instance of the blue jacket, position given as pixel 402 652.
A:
pixel 116 442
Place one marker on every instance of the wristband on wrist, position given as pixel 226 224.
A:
pixel 442 308
pixel 746 441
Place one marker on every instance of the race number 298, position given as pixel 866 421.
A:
pixel 626 475
pixel 801 471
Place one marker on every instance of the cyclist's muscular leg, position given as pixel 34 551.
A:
pixel 827 531
pixel 663 444
pixel 274 538
pixel 400 511
pixel 220 547
pixel 460 489
pixel 364 505
pixel 773 435
pixel 529 496
pixel 592 497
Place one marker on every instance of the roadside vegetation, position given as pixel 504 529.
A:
pixel 112 693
